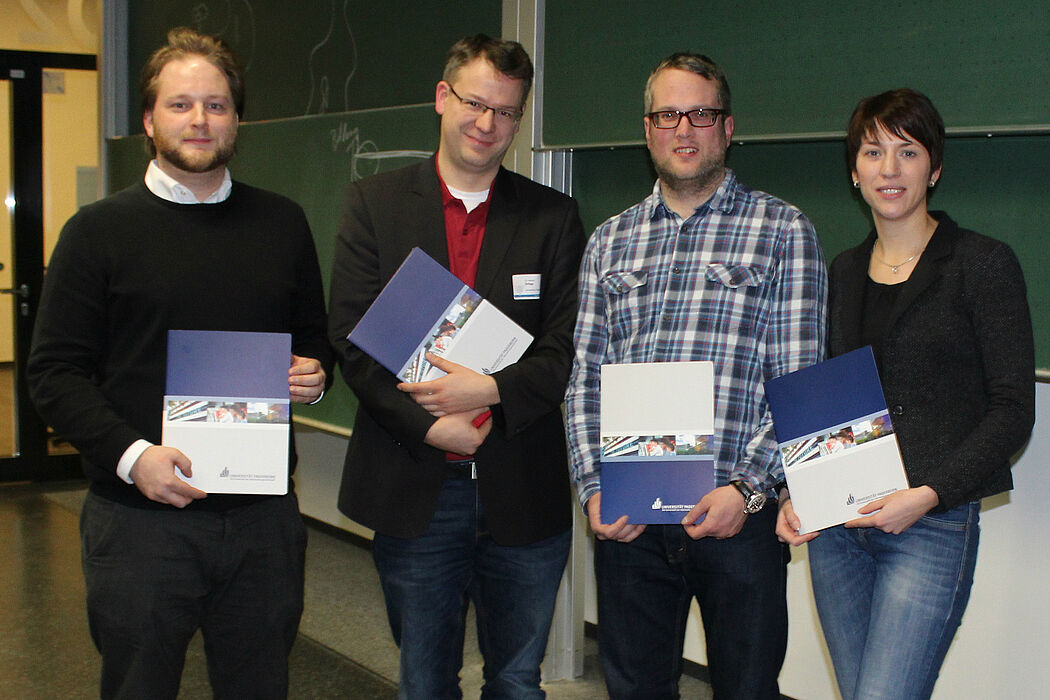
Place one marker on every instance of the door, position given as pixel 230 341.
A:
pixel 37 136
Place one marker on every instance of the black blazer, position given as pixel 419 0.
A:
pixel 391 479
pixel 958 366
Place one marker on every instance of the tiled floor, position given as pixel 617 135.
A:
pixel 344 648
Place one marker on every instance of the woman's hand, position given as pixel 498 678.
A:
pixel 897 512
pixel 788 523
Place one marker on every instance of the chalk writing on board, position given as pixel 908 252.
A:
pixel 332 63
pixel 231 20
pixel 365 156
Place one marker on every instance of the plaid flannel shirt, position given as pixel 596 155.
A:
pixel 742 282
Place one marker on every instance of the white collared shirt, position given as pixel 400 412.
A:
pixel 166 187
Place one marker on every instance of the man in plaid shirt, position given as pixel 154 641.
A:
pixel 702 269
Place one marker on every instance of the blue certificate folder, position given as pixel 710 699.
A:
pixel 657 424
pixel 226 407
pixel 835 437
pixel 425 308
pixel 654 491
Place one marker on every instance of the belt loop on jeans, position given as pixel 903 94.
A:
pixel 462 469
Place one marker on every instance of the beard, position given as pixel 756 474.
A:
pixel 707 175
pixel 193 161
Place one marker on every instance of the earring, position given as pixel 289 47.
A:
pixel 932 182
pixel 856 184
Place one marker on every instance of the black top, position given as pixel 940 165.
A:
pixel 958 362
pixel 132 266
pixel 879 300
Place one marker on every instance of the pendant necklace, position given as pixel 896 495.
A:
pixel 895 269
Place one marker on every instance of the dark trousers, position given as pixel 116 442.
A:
pixel 155 577
pixel 645 588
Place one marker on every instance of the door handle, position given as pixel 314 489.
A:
pixel 22 291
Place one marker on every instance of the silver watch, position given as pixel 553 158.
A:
pixel 754 501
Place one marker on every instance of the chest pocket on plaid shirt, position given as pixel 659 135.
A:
pixel 627 304
pixel 737 297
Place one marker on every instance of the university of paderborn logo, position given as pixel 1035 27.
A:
pixel 225 473
pixel 851 500
pixel 657 504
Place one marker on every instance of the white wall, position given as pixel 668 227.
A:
pixel 1000 649
pixel 317 478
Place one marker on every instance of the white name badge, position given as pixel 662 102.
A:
pixel 526 286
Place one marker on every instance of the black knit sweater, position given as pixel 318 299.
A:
pixel 132 266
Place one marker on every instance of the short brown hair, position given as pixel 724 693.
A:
pixel 182 43
pixel 698 64
pixel 903 112
pixel 508 57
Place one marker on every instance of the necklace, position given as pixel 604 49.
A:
pixel 895 269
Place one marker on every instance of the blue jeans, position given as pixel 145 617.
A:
pixel 428 580
pixel 645 588
pixel 890 604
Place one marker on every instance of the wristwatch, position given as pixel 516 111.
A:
pixel 753 500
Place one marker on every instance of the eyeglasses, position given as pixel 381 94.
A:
pixel 671 118
pixel 505 116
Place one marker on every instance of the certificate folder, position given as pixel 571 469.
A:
pixel 226 407
pixel 835 438
pixel 425 308
pixel 657 423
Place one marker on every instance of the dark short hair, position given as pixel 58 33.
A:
pixel 508 57
pixel 700 65
pixel 901 111
pixel 183 43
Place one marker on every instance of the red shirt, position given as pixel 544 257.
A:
pixel 464 232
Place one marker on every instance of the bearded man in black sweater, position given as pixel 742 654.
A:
pixel 187 248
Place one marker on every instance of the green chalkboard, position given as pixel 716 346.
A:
pixel 311 160
pixel 336 91
pixel 797 67
pixel 307 58
pixel 997 186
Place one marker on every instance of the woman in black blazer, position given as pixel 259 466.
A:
pixel 945 312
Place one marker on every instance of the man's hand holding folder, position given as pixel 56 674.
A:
pixel 461 395
pixel 461 389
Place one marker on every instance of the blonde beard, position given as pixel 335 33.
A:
pixel 217 159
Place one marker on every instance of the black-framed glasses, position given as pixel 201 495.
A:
pixel 506 116
pixel 671 118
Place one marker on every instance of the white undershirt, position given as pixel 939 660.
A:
pixel 471 200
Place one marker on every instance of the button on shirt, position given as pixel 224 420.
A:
pixel 742 283
pixel 464 231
